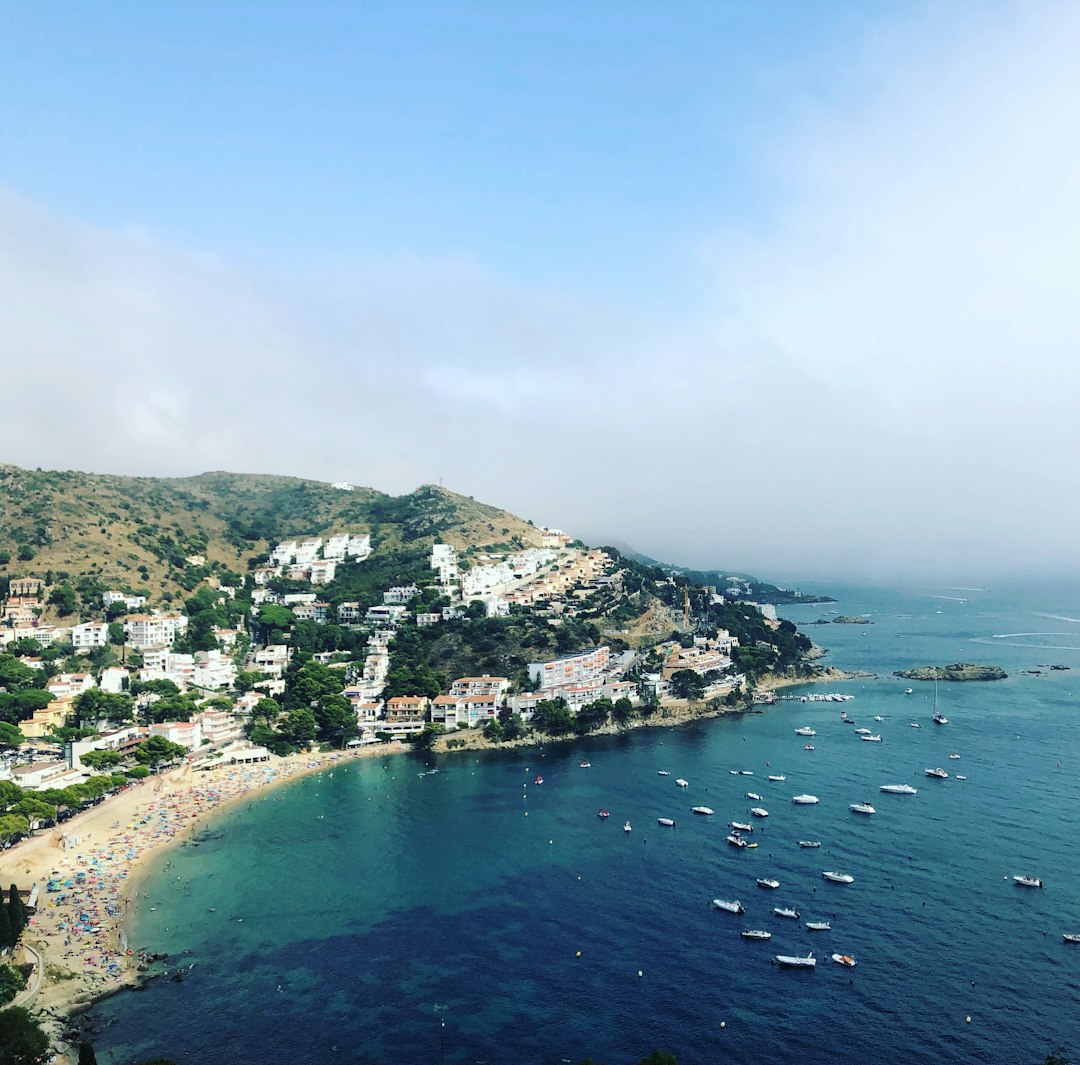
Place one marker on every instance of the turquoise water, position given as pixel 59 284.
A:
pixel 379 914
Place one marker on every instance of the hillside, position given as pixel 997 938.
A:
pixel 138 532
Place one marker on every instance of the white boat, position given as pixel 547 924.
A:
pixel 1070 937
pixel 909 691
pixel 838 878
pixel 1028 881
pixel 755 933
pixel 702 809
pixel 863 731
pixel 809 843
pixel 878 717
pixel 805 800
pixel 733 772
pixel 939 774
pixel 626 827
pixel 806 730
pixel 915 724
pixel 736 840
pixel 669 821
pixel 871 739
pixel 768 882
pixel 899 789
pixel 759 811
pixel 844 959
pixel 662 773
pixel 784 911
pixel 777 777
pixel 940 719
pixel 954 756
pixel 741 827
pixel 729 906
pixel 819 926
pixel 861 808
pixel 753 795
pixel 960 776
pixel 808 746
pixel 746 772
pixel 794 962
pixel 682 783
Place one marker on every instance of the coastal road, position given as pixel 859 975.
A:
pixel 26 996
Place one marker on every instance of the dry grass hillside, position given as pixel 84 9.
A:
pixel 137 532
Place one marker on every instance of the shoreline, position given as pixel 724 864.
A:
pixel 100 859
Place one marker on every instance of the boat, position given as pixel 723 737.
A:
pixel 733 772
pixel 870 739
pixel 736 840
pixel 843 715
pixel 739 826
pixel 757 933
pixel 838 878
pixel 626 827
pixel 753 795
pixel 954 756
pixel 878 717
pixel 746 772
pixel 899 789
pixel 768 882
pixel 844 959
pixel 939 774
pixel 805 800
pixel 849 721
pixel 759 811
pixel 584 765
pixel 602 813
pixel 915 724
pixel 861 808
pixel 863 731
pixel 909 691
pixel 1028 881
pixel 808 746
pixel 789 961
pixel 539 780
pixel 819 926
pixel 682 783
pixel 960 776
pixel 784 911
pixel 777 777
pixel 1069 937
pixel 662 773
pixel 940 719
pixel 806 730
pixel 702 809
pixel 732 906
pixel 668 821
pixel 809 843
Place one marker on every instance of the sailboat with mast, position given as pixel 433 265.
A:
pixel 939 717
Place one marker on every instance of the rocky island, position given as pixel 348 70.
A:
pixel 843 619
pixel 957 671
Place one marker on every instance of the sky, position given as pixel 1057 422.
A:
pixel 786 288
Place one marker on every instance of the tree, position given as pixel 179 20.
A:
pixel 117 636
pixel 63 598
pixel 7 938
pixel 86 1054
pixel 101 759
pixel 12 982
pixel 95 704
pixel 22 1042
pixel 494 731
pixel 157 749
pixel 553 717
pixel 10 736
pixel 622 710
pixel 427 737
pixel 299 727
pixel 687 684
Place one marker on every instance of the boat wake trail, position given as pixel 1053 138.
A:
pixel 1056 617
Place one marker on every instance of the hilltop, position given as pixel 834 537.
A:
pixel 143 532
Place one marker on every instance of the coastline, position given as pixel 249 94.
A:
pixel 100 859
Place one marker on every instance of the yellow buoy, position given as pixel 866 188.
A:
pixel 578 954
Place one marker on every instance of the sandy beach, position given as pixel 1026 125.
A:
pixel 92 863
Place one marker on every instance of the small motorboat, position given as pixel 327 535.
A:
pixel 768 882
pixel 954 756
pixel 1069 937
pixel 849 721
pixel 746 772
pixel 819 926
pixel 729 906
pixel 806 730
pixel 898 789
pixel 805 800
pixel 844 959
pixel 662 773
pixel 668 821
pixel 861 808
pixel 960 776
pixel 742 826
pixel 602 813
pixel 736 840
pixel 808 747
pixel 784 911
pixel 809 843
pixel 702 810
pixel 937 774
pixel 733 772
pixel 789 961
pixel 870 739
pixel 1028 881
pixel 753 795
pixel 759 811
pixel 757 933
pixel 843 715
pixel 539 780
pixel 682 783
pixel 915 724
pixel 584 765
pixel 777 777
pixel 863 731
pixel 626 827
pixel 839 878
pixel 878 717
pixel 909 691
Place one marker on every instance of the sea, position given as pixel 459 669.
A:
pixel 454 910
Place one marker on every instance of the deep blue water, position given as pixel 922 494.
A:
pixel 383 915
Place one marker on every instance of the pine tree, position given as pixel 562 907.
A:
pixel 86 1054
pixel 16 913
pixel 6 938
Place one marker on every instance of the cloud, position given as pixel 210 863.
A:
pixel 879 372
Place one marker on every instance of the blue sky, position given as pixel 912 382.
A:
pixel 778 258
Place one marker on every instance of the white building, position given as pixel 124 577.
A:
pixel 213 670
pixel 284 552
pixel 385 615
pixel 220 727
pixel 349 613
pixel 336 547
pixel 114 680
pixel 69 685
pixel 483 685
pixel 400 595
pixel 272 660
pixel 187 733
pixel 308 551
pixel 88 635
pixel 322 571
pixel 444 559
pixel 132 602
pixel 570 671
pixel 153 630
pixel 359 547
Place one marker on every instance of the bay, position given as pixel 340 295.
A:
pixel 383 912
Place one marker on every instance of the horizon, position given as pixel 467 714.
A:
pixel 784 288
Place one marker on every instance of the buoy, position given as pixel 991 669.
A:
pixel 723 1024
pixel 967 1020
pixel 526 813
pixel 639 972
pixel 550 841
pixel 578 955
